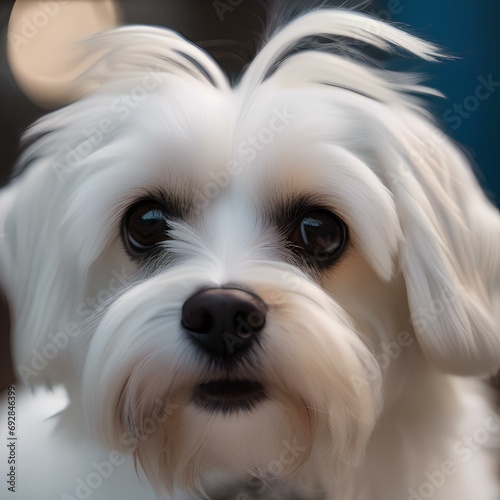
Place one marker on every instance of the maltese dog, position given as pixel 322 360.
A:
pixel 285 287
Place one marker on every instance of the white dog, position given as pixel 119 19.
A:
pixel 267 289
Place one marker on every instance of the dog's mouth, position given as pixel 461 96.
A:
pixel 228 396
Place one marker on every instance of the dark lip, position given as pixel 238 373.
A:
pixel 228 396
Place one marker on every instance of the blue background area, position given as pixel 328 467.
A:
pixel 469 31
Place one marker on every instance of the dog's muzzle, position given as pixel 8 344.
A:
pixel 225 323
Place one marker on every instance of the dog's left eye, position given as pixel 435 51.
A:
pixel 320 235
pixel 145 226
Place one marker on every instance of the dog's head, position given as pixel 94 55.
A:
pixel 215 269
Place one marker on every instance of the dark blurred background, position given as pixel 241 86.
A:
pixel 232 29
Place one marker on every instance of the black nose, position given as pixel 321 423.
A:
pixel 224 320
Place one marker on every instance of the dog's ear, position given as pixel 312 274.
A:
pixel 450 256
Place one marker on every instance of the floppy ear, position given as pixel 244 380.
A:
pixel 450 256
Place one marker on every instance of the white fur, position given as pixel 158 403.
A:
pixel 423 265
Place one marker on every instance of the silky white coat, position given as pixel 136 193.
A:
pixel 372 367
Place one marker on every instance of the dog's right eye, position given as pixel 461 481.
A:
pixel 145 225
pixel 319 235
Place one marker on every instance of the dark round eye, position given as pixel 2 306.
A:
pixel 144 226
pixel 320 235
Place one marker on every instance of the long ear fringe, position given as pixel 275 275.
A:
pixel 450 257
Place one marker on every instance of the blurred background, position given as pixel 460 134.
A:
pixel 34 33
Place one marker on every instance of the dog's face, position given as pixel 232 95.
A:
pixel 218 268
